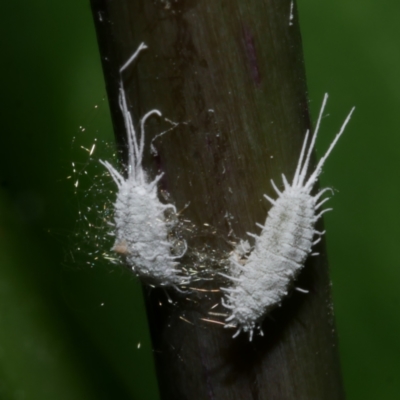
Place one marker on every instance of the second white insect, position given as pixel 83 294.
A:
pixel 261 281
pixel 141 227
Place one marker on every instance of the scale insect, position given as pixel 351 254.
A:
pixel 141 227
pixel 262 279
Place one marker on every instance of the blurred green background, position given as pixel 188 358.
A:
pixel 74 328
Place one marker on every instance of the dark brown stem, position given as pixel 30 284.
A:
pixel 231 74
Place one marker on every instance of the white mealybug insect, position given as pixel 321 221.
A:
pixel 141 227
pixel 263 279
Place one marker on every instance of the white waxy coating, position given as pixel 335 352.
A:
pixel 283 246
pixel 141 228
pixel 141 233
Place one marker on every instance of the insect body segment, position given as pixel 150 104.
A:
pixel 263 279
pixel 141 227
